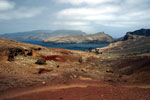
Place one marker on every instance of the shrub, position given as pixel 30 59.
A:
pixel 41 62
pixel 80 60
pixel 57 65
pixel 90 49
pixel 97 51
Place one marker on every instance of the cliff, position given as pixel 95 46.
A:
pixel 100 37
pixel 136 34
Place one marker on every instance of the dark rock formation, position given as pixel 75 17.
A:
pixel 141 32
pixel 41 62
pixel 14 52
pixel 136 34
pixel 30 52
pixel 10 48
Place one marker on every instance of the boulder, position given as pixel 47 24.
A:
pixel 14 52
pixel 41 62
pixel 30 53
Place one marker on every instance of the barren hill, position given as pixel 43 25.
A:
pixel 91 38
pixel 31 72
pixel 136 46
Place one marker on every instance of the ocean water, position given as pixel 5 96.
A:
pixel 72 46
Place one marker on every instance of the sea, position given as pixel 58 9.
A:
pixel 71 46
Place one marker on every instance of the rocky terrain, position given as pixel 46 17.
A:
pixel 31 72
pixel 129 47
pixel 136 34
pixel 132 43
pixel 90 38
pixel 39 35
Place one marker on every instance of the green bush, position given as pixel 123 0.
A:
pixel 97 51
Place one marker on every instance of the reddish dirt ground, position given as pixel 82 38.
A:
pixel 59 58
pixel 81 90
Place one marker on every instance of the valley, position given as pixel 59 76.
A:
pixel 34 72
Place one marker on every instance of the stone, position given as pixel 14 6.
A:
pixel 41 62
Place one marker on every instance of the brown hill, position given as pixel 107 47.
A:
pixel 91 38
pixel 136 46
pixel 31 72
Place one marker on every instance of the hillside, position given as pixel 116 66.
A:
pixel 138 46
pixel 141 32
pixel 32 72
pixel 39 35
pixel 136 34
pixel 90 38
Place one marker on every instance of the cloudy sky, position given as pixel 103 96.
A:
pixel 114 17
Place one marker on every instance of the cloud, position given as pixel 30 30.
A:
pixel 88 11
pixel 125 13
pixel 74 23
pixel 9 11
pixel 6 5
pixel 89 2
pixel 21 13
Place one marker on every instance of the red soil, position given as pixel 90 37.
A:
pixel 90 90
pixel 59 58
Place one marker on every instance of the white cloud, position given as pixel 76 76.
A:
pixel 78 23
pixel 84 13
pixel 89 2
pixel 125 13
pixel 100 17
pixel 88 11
pixel 8 11
pixel 118 23
pixel 21 13
pixel 136 2
pixel 6 5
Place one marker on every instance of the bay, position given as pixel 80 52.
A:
pixel 72 46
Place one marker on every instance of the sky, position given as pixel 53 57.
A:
pixel 114 17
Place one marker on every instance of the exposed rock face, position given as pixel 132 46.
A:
pixel 9 49
pixel 14 52
pixel 91 38
pixel 141 32
pixel 136 34
pixel 131 46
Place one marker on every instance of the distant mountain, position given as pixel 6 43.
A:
pixel 39 35
pixel 136 34
pixel 89 38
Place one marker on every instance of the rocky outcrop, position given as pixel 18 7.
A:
pixel 129 47
pixel 14 52
pixel 90 38
pixel 136 34
pixel 141 32
pixel 9 52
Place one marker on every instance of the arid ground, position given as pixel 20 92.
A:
pixel 31 72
